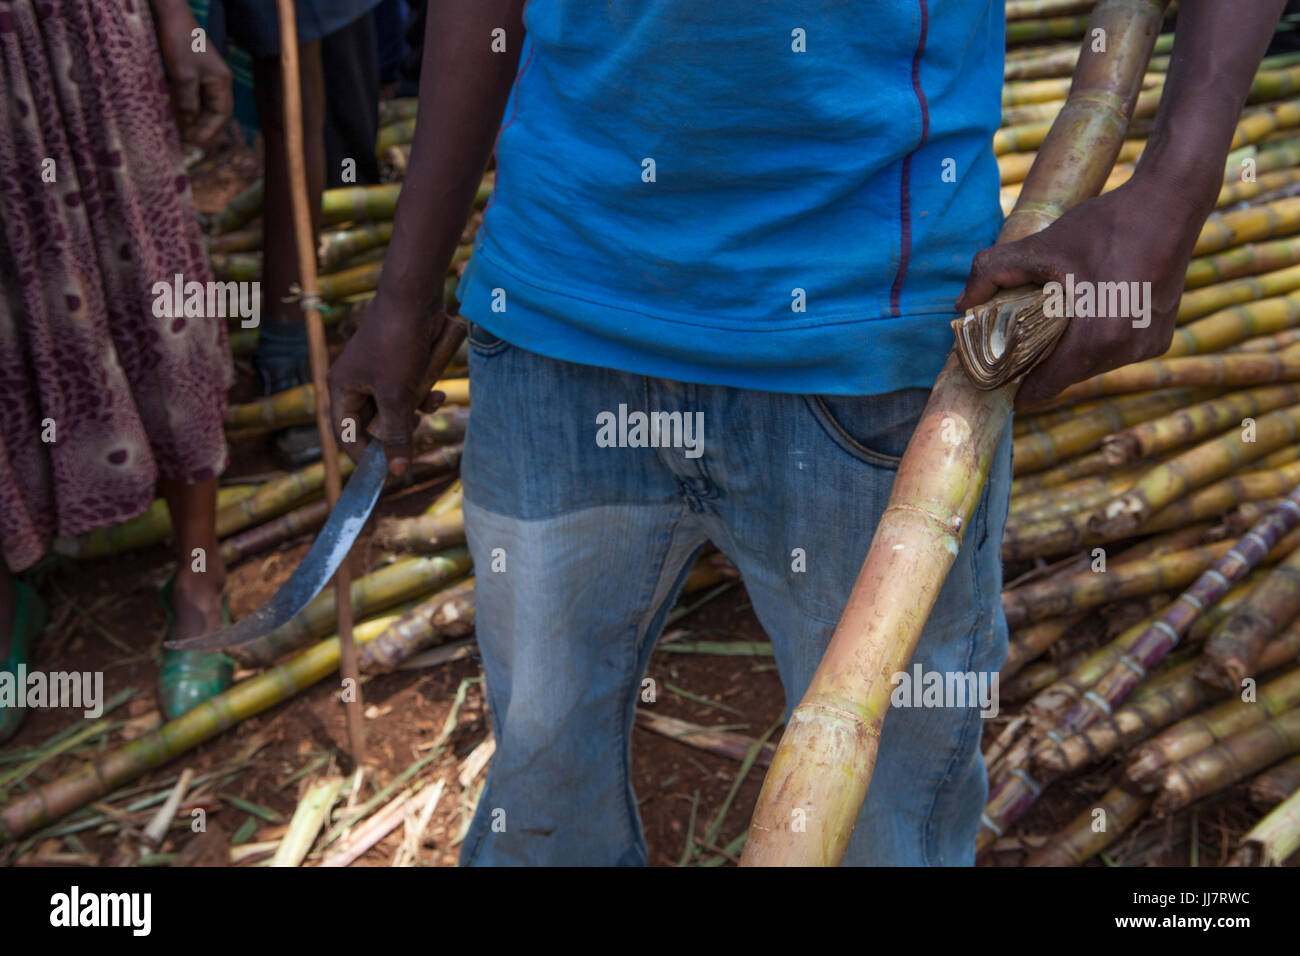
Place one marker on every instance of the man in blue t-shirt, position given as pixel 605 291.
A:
pixel 707 301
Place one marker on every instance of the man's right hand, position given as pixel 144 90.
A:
pixel 378 380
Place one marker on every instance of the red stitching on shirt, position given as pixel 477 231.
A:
pixel 904 183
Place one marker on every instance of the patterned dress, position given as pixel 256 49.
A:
pixel 98 396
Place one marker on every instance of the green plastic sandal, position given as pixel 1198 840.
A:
pixel 188 678
pixel 29 621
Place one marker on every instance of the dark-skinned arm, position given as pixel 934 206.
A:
pixel 1144 230
pixel 464 87
pixel 199 80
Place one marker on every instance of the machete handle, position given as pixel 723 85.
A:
pixel 444 350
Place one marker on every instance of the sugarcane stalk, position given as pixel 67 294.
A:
pixel 1275 784
pixel 1248 225
pixel 1083 838
pixel 1234 369
pixel 239 210
pixel 1252 258
pixel 247 239
pixel 294 406
pixel 1199 732
pixel 340 245
pixel 1226 763
pixel 1156 704
pixel 1271 342
pixel 1077 592
pixel 1084 433
pixel 1215 298
pixel 443 616
pixel 1085 466
pixel 1231 654
pixel 1158 435
pixel 101 776
pixel 424 533
pixel 1074 497
pixel 236 266
pixel 1274 839
pixel 397 109
pixel 149 528
pixel 824 762
pixel 1012 793
pixel 1226 328
pixel 371 593
pixel 1222 496
pixel 1039 9
pixel 1025 645
pixel 393 134
pixel 1266 539
pixel 1265 188
pixel 1200 466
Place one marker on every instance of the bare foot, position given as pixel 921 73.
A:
pixel 196 602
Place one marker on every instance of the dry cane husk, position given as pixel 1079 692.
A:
pixel 1275 838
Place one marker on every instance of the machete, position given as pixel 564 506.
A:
pixel 327 552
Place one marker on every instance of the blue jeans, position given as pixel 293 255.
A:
pixel 581 548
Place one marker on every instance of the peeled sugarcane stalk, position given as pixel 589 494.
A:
pixel 1234 369
pixel 151 527
pixel 239 210
pixel 1083 838
pixel 1194 469
pixel 1224 764
pixel 101 776
pixel 824 762
pixel 377 591
pixel 1227 327
pixel 422 533
pixel 1231 654
pixel 1274 839
pixel 247 239
pixel 337 247
pixel 1275 784
pixel 294 406
pixel 1250 259
pixel 1186 425
pixel 308 818
pixel 446 615
pixel 1199 732
pixel 1224 295
pixel 1036 452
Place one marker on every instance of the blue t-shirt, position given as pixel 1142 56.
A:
pixel 778 196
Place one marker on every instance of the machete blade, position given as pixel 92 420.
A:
pixel 346 519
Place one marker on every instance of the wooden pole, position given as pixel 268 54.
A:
pixel 311 308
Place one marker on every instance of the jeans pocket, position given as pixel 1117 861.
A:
pixel 874 428
pixel 485 343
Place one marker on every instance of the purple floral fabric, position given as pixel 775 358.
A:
pixel 98 397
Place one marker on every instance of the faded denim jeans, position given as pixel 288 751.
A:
pixel 581 548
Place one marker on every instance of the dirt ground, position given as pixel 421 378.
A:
pixel 106 615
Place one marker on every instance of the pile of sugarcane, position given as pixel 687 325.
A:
pixel 1151 551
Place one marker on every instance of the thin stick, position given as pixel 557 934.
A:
pixel 311 308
